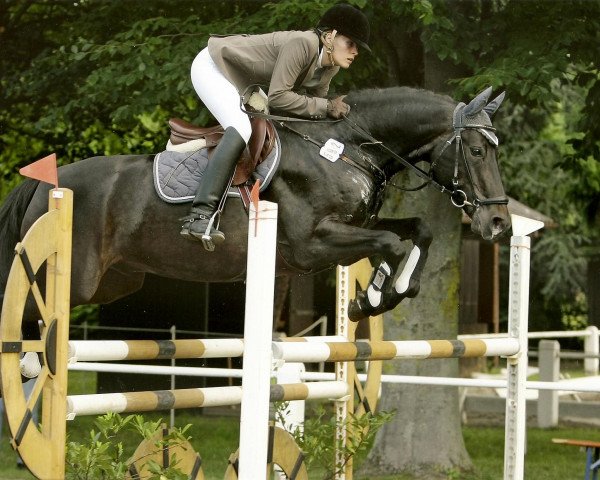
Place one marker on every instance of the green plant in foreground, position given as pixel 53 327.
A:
pixel 318 441
pixel 104 455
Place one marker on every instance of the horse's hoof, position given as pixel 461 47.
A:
pixel 30 366
pixel 355 312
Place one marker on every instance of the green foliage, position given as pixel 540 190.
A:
pixel 104 455
pixel 535 154
pixel 84 313
pixel 482 445
pixel 318 441
pixel 574 315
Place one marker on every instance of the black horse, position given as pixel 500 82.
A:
pixel 327 210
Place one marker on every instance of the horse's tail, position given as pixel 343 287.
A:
pixel 12 212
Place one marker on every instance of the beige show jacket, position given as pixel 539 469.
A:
pixel 286 61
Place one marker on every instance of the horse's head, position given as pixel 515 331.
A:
pixel 466 165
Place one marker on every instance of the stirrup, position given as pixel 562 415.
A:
pixel 209 236
pixel 207 239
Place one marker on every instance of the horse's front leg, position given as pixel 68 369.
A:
pixel 390 284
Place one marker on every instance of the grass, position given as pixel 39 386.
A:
pixel 215 438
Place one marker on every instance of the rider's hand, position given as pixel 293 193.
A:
pixel 336 108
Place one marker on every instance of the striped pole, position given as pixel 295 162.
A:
pixel 299 350
pixel 388 350
pixel 194 398
pixel 115 350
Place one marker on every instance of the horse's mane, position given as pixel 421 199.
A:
pixel 392 105
pixel 417 97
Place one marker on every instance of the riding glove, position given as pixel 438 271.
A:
pixel 336 108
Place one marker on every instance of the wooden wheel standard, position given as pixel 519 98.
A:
pixel 282 451
pixel 42 447
pixel 188 461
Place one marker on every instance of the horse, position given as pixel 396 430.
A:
pixel 328 208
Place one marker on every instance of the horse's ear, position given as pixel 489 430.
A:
pixel 491 107
pixel 477 104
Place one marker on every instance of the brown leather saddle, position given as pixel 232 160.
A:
pixel 259 147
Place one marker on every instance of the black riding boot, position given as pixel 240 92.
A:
pixel 200 224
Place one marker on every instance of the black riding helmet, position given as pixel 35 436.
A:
pixel 348 21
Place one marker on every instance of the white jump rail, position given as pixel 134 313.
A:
pixel 116 350
pixel 569 385
pixel 591 343
pixel 388 350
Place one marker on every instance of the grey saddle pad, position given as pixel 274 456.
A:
pixel 178 174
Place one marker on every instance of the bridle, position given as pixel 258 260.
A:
pixel 457 196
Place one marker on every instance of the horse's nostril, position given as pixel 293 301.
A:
pixel 499 225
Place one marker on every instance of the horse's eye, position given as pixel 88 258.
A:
pixel 477 151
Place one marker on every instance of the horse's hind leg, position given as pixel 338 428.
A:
pixel 389 284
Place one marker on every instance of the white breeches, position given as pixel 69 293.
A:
pixel 219 95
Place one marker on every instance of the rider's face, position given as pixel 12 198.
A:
pixel 344 51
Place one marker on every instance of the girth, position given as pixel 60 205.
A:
pixel 260 145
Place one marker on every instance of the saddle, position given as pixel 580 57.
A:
pixel 259 147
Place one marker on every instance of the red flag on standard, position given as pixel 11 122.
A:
pixel 44 170
pixel 254 193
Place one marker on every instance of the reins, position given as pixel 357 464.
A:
pixel 457 196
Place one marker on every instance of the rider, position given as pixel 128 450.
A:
pixel 298 66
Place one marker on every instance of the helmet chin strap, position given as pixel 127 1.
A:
pixel 329 45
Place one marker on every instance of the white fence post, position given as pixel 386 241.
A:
pixel 591 346
pixel 342 406
pixel 518 316
pixel 549 363
pixel 258 336
pixel 173 377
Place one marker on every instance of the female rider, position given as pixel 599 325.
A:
pixel 298 67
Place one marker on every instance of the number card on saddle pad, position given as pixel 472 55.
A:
pixel 178 174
